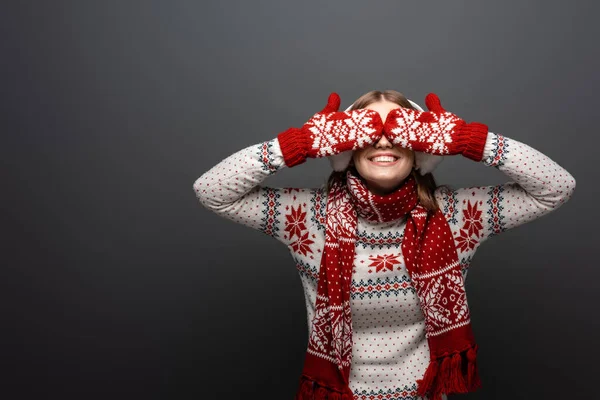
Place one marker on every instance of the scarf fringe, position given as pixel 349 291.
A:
pixel 311 390
pixel 450 374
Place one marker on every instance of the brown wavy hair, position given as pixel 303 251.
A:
pixel 426 184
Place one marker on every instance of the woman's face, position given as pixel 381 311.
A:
pixel 383 177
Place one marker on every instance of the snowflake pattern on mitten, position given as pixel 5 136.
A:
pixel 330 132
pixel 342 131
pixel 423 131
pixel 436 131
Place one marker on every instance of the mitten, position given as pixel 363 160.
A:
pixel 436 131
pixel 330 132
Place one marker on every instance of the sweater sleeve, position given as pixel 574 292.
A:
pixel 232 189
pixel 538 185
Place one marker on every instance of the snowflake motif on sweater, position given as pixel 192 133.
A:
pixel 384 261
pixel 295 223
pixel 390 350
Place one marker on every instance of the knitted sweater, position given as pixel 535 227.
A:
pixel 390 350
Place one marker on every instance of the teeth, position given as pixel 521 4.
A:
pixel 384 159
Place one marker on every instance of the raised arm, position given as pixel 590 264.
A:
pixel 233 190
pixel 537 187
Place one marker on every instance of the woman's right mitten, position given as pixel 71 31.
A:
pixel 330 132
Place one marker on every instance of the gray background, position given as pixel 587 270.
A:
pixel 116 283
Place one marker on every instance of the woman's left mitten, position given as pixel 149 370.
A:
pixel 436 131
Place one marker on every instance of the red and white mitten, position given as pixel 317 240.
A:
pixel 436 131
pixel 330 132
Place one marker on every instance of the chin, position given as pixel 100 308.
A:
pixel 382 183
pixel 388 183
pixel 383 177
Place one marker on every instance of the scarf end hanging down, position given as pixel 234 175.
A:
pixel 454 373
pixel 312 390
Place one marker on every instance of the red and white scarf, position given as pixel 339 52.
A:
pixel 432 262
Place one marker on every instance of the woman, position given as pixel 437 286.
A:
pixel 383 252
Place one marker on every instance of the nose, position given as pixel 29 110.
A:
pixel 383 142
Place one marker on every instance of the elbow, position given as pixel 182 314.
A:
pixel 202 193
pixel 565 192
pixel 570 189
pixel 206 190
pixel 555 196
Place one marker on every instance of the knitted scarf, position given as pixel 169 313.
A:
pixel 432 262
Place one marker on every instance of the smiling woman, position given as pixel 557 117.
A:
pixel 384 177
pixel 382 165
pixel 382 252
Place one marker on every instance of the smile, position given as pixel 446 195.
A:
pixel 384 161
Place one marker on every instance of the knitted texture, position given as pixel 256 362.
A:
pixel 431 259
pixel 436 131
pixel 390 350
pixel 330 132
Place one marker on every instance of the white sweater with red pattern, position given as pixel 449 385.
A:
pixel 390 350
